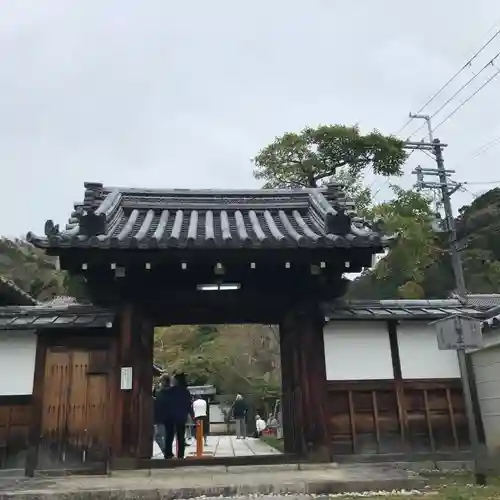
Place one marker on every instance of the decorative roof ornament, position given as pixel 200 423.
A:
pixel 51 229
pixel 91 221
pixel 379 225
pixel 92 224
pixel 338 223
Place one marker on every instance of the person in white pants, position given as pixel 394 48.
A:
pixel 200 409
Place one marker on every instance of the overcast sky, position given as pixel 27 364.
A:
pixel 158 93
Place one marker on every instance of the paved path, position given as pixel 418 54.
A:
pixel 226 446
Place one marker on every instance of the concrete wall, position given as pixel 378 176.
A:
pixel 357 350
pixel 17 362
pixel 486 363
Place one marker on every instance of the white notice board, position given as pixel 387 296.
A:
pixel 126 378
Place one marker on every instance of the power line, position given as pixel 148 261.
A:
pixel 486 147
pixel 452 79
pixel 485 183
pixel 444 87
pixel 491 62
pixel 458 108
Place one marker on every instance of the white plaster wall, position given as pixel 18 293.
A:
pixel 17 362
pixel 419 353
pixel 357 350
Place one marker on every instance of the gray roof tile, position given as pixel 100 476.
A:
pixel 41 316
pixel 484 301
pixel 398 309
pixel 142 218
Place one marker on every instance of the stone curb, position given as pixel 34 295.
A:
pixel 323 487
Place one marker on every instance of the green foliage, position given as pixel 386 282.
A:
pixel 402 272
pixel 419 265
pixel 410 215
pixel 315 155
pixel 35 272
pixel 355 190
pixel 235 358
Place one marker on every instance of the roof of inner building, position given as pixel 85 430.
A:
pixel 11 294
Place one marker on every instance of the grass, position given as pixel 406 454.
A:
pixel 449 486
pixel 274 442
pixel 460 486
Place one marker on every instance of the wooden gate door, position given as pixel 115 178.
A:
pixel 75 403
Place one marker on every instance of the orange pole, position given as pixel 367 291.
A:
pixel 199 438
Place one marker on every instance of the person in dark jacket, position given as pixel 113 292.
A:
pixel 240 416
pixel 159 396
pixel 175 409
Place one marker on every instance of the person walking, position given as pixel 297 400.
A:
pixel 160 398
pixel 177 409
pixel 240 414
pixel 189 430
pixel 260 426
pixel 200 409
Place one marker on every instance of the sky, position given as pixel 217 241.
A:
pixel 184 94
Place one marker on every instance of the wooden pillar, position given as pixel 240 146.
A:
pixel 305 414
pixel 287 388
pixel 133 408
pixel 392 327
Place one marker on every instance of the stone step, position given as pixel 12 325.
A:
pixel 194 482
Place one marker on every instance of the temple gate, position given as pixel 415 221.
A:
pixel 158 257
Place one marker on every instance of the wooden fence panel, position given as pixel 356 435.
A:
pixel 380 417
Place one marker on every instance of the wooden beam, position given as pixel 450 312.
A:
pixel 352 421
pixel 428 419
pixel 376 419
pixel 395 355
pixel 398 381
pixel 37 408
pixel 451 414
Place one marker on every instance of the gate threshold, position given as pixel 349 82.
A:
pixel 154 463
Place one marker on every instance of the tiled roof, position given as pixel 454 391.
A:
pixel 398 309
pixel 142 218
pixel 13 295
pixel 484 300
pixel 42 316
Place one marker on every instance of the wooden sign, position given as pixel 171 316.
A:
pixel 458 332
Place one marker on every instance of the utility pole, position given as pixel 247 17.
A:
pixel 427 118
pixel 447 188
